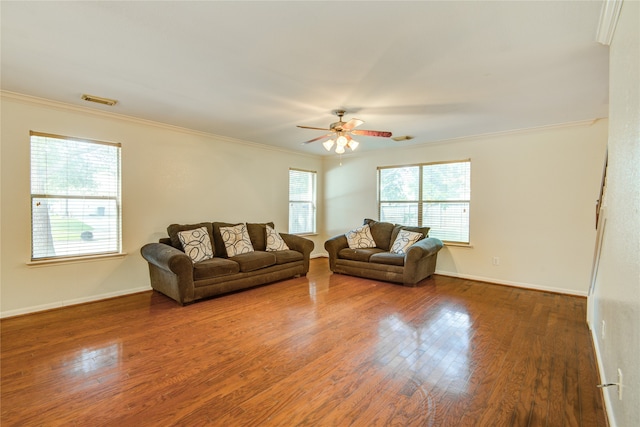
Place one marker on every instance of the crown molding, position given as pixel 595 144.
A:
pixel 482 136
pixel 28 99
pixel 608 19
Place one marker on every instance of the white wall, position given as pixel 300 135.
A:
pixel 533 199
pixel 169 175
pixel 616 298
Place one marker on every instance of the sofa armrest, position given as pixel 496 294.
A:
pixel 300 244
pixel 423 248
pixel 420 260
pixel 170 271
pixel 167 257
pixel 333 246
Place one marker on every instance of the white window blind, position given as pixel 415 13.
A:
pixel 302 201
pixel 435 195
pixel 75 197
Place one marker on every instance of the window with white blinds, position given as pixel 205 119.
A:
pixel 435 195
pixel 75 197
pixel 302 201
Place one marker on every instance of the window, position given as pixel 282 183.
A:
pixel 435 195
pixel 302 202
pixel 75 197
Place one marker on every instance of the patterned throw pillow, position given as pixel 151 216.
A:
pixel 404 240
pixel 236 240
pixel 275 241
pixel 360 238
pixel 196 244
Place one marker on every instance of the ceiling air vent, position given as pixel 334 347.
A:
pixel 402 138
pixel 104 101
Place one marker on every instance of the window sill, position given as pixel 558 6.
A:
pixel 459 245
pixel 305 234
pixel 74 260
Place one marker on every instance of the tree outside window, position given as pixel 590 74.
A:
pixel 75 197
pixel 435 195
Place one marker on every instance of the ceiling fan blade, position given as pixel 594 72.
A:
pixel 317 139
pixel 353 123
pixel 310 127
pixel 372 133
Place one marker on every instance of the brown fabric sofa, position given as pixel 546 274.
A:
pixel 173 273
pixel 418 263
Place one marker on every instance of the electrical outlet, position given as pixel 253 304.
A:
pixel 619 384
pixel 603 330
pixel 495 260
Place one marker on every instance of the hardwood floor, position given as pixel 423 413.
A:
pixel 322 350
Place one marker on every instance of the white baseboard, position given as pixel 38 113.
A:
pixel 514 284
pixel 75 301
pixel 607 399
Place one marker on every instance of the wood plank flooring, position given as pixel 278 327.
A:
pixel 321 350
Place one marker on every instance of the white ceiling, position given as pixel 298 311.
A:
pixel 252 71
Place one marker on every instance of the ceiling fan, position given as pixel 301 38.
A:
pixel 340 133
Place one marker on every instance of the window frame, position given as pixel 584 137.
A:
pixel 312 203
pixel 114 230
pixel 421 201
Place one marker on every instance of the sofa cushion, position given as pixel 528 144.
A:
pixel 254 260
pixel 258 233
pixel 236 240
pixel 387 258
pixel 214 267
pixel 275 241
pixel 358 254
pixel 381 232
pixel 284 257
pixel 174 229
pixel 196 244
pixel 405 239
pixel 360 238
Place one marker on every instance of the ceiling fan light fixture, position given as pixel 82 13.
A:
pixel 341 142
pixel 340 149
pixel 353 144
pixel 328 144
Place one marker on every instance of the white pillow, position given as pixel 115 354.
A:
pixel 196 244
pixel 404 240
pixel 236 240
pixel 360 238
pixel 275 241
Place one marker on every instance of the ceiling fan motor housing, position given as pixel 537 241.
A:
pixel 337 126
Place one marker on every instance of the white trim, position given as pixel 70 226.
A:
pixel 458 245
pixel 565 125
pixel 496 281
pixel 607 399
pixel 514 284
pixel 74 260
pixel 608 20
pixel 325 157
pixel 75 301
pixel 85 110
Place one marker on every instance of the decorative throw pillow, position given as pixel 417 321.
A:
pixel 404 240
pixel 275 241
pixel 236 240
pixel 360 238
pixel 174 229
pixel 196 244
